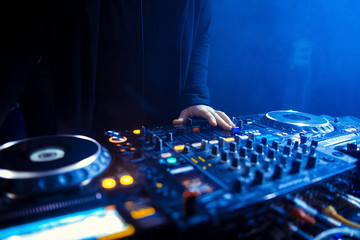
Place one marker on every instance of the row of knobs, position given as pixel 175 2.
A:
pixel 249 156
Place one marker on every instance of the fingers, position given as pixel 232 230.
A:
pixel 220 121
pixel 182 118
pixel 214 117
pixel 225 118
pixel 209 116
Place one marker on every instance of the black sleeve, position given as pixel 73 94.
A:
pixel 20 49
pixel 196 91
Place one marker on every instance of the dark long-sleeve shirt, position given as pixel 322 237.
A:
pixel 121 64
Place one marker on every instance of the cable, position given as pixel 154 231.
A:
pixel 331 212
pixel 345 231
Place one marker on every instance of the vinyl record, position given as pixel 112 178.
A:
pixel 50 163
pixel 297 121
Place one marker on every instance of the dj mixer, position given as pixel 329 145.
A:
pixel 274 176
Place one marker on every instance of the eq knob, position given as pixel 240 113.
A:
pixel 186 149
pixel 242 152
pixel 204 145
pixel 271 153
pixel 260 148
pixel 296 145
pixel 311 162
pixel 295 167
pixel 232 147
pixel 224 156
pixel 303 139
pixel 264 141
pixel 235 162
pixel 278 171
pixel 159 144
pixel 169 137
pixel 221 142
pixel 275 145
pixel 249 143
pixel 254 159
pixel 287 150
pixel 214 150
pixel 259 177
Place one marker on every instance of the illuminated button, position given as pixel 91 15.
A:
pixel 126 180
pixel 179 147
pixel 159 185
pixel 166 155
pixel 196 129
pixel 196 145
pixel 230 139
pixel 117 139
pixel 108 183
pixel 142 212
pixel 171 160
pixel 137 131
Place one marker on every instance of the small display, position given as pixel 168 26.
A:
pixel 96 223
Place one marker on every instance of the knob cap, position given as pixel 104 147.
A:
pixel 295 167
pixel 314 143
pixel 235 162
pixel 259 177
pixel 237 139
pixel 249 143
pixel 275 145
pixel 158 144
pixel 242 152
pixel 215 150
pixel 286 150
pixel 260 148
pixel 278 171
pixel 264 141
pixel 303 139
pixel 169 137
pixel 271 153
pixel 186 149
pixel 311 162
pixel 254 158
pixel 296 145
pixel 204 145
pixel 232 147
pixel 289 142
pixel 221 142
pixel 224 156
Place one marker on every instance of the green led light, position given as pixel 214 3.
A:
pixel 171 160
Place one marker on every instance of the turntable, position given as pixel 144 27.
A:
pixel 294 121
pixel 49 164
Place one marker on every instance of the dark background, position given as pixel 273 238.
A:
pixel 285 54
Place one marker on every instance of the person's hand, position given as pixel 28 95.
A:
pixel 214 117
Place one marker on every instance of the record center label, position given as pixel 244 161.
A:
pixel 47 154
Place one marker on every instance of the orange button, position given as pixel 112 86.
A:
pixel 108 183
pixel 126 180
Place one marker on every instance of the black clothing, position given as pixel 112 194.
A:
pixel 121 64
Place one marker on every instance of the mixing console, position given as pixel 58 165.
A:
pixel 183 181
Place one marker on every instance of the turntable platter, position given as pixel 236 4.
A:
pixel 294 121
pixel 51 163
